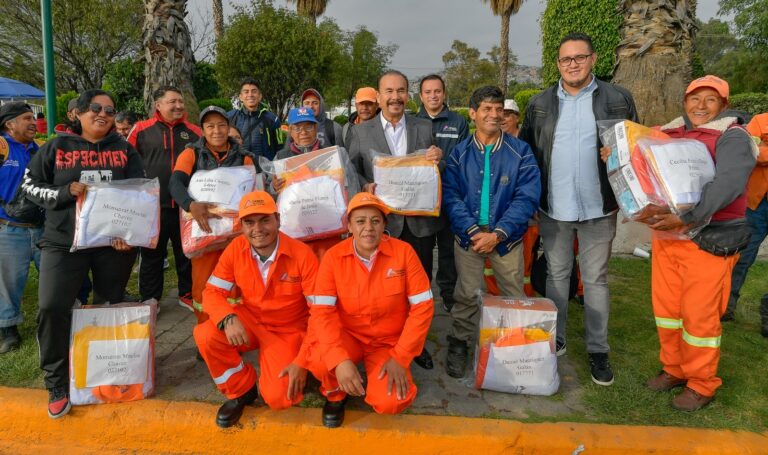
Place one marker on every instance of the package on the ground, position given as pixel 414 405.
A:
pixel 224 187
pixel 112 353
pixel 408 185
pixel 516 346
pixel 124 209
pixel 313 201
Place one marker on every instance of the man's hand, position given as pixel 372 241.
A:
pixel 484 242
pixel 397 378
pixel 349 378
pixel 369 188
pixel 120 245
pixel 297 379
pixel 201 211
pixel 434 154
pixel 236 333
pixel 278 184
pixel 77 188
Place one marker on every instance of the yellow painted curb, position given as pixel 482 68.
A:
pixel 155 426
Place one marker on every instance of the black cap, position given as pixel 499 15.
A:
pixel 10 111
pixel 211 109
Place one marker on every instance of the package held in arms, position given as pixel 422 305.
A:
pixel 516 346
pixel 112 353
pixel 313 201
pixel 223 187
pixel 122 209
pixel 408 185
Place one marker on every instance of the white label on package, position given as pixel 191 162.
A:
pixel 407 188
pixel 222 186
pixel 684 167
pixel 311 207
pixel 219 226
pixel 530 365
pixel 634 186
pixel 117 362
pixel 622 144
pixel 125 214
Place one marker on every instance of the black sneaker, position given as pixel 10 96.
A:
pixel 560 348
pixel 600 368
pixel 456 361
pixel 58 402
pixel 10 340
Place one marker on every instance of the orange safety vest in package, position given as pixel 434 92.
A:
pixel 516 346
pixel 408 185
pixel 112 353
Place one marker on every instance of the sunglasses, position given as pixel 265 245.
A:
pixel 96 108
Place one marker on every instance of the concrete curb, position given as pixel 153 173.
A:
pixel 155 426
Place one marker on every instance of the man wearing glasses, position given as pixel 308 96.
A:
pixel 576 199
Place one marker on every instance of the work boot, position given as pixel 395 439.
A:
pixel 664 381
pixel 456 361
pixel 600 368
pixel 333 413
pixel 764 316
pixel 230 412
pixel 560 348
pixel 424 360
pixel 447 298
pixel 690 400
pixel 10 340
pixel 58 402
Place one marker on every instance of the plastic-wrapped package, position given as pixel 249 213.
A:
pixel 408 185
pixel 516 346
pixel 112 353
pixel 224 187
pixel 122 209
pixel 313 201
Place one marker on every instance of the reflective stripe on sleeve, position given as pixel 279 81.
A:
pixel 228 374
pixel 701 342
pixel 327 300
pixel 418 298
pixel 668 323
pixel 219 283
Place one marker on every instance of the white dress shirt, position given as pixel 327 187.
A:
pixel 264 266
pixel 395 134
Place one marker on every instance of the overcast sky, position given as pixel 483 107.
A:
pixel 425 29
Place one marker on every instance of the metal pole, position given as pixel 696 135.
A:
pixel 50 76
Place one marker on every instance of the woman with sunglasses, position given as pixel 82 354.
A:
pixel 56 176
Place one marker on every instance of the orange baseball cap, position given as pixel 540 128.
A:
pixel 365 94
pixel 366 200
pixel 257 202
pixel 710 81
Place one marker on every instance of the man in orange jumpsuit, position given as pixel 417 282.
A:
pixel 275 274
pixel 372 303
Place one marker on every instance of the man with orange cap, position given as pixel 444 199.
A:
pixel 366 108
pixel 275 274
pixel 372 303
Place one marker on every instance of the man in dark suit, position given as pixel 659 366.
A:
pixel 392 132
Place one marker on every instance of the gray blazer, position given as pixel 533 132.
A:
pixel 367 138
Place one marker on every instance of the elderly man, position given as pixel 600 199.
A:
pixel 257 125
pixel 275 275
pixel 576 199
pixel 329 132
pixel 366 107
pixel 491 190
pixel 124 121
pixel 509 123
pixel 20 230
pixel 160 140
pixel 392 132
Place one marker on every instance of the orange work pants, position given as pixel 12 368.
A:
pixel 690 290
pixel 373 357
pixel 234 377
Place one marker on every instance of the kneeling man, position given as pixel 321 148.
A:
pixel 275 274
pixel 372 304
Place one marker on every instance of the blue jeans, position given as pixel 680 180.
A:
pixel 17 250
pixel 758 221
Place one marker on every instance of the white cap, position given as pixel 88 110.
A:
pixel 511 105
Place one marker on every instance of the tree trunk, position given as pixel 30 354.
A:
pixel 653 60
pixel 504 44
pixel 168 52
pixel 218 19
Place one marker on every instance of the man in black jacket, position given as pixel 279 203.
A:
pixel 576 199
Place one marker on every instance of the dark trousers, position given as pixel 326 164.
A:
pixel 446 264
pixel 61 276
pixel 423 247
pixel 151 276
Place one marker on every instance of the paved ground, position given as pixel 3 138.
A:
pixel 181 377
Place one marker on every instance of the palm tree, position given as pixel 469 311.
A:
pixel 218 19
pixel 505 9
pixel 167 51
pixel 310 8
pixel 653 59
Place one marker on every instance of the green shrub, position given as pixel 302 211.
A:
pixel 464 112
pixel 61 105
pixel 523 97
pixel 341 119
pixel 754 103
pixel 223 103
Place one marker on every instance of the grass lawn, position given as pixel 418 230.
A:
pixel 742 402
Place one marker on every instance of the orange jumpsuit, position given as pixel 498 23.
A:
pixel 370 316
pixel 274 313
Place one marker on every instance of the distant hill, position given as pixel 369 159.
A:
pixel 524 73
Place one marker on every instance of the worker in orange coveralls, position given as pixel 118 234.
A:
pixel 372 303
pixel 275 274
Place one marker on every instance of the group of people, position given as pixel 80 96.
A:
pixel 326 306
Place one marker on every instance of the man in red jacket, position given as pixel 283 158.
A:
pixel 160 140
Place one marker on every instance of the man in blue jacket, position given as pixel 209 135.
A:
pixel 258 127
pixel 491 189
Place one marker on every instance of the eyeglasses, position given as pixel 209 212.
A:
pixel 96 108
pixel 579 59
pixel 303 129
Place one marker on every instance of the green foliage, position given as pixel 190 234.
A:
pixel 61 105
pixel 517 87
pixel 223 103
pixel 341 119
pixel 412 106
pixel 523 97
pixel 466 71
pixel 713 40
pixel 697 66
pixel 751 19
pixel 462 111
pixel 280 49
pixel 125 80
pixel 596 18
pixel 754 103
pixel 204 81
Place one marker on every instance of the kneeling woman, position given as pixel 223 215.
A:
pixel 372 303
